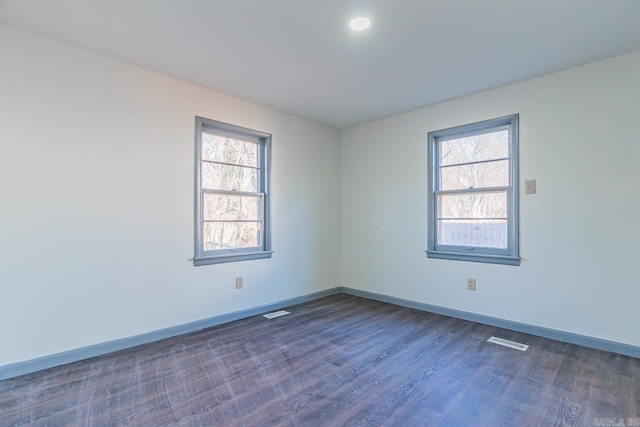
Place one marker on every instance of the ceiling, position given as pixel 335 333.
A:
pixel 299 56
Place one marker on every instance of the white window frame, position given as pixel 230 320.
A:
pixel 263 140
pixel 508 256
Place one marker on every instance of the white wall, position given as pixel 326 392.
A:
pixel 96 185
pixel 579 239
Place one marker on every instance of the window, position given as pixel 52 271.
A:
pixel 232 197
pixel 473 193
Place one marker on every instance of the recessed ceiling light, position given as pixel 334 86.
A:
pixel 359 24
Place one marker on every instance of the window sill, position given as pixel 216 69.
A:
pixel 491 259
pixel 246 256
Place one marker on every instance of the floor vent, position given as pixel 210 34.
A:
pixel 275 314
pixel 507 343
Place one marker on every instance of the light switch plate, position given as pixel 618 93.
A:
pixel 530 186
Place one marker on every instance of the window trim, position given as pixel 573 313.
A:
pixel 263 140
pixel 509 256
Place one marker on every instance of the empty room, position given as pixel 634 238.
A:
pixel 332 213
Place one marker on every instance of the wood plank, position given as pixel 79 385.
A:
pixel 339 360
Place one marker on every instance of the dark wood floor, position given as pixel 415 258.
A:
pixel 337 361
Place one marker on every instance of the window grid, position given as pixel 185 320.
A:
pixel 224 202
pixel 497 242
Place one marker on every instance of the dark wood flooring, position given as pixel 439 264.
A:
pixel 336 361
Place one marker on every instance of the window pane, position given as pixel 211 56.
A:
pixel 478 175
pixel 224 177
pixel 482 233
pixel 230 235
pixel 229 150
pixel 473 205
pixel 223 207
pixel 475 148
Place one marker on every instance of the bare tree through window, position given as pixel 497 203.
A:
pixel 231 191
pixel 473 192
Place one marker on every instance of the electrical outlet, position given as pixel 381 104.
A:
pixel 471 284
pixel 238 282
